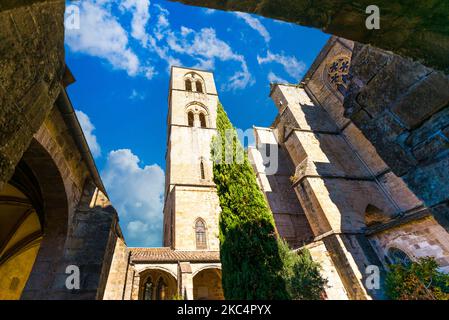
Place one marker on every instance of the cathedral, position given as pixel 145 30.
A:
pixel 328 189
pixel 354 168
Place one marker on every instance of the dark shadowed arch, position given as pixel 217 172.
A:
pixel 55 221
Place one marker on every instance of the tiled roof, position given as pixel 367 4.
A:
pixel 170 255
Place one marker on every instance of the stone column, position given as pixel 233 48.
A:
pixel 185 280
pixel 135 287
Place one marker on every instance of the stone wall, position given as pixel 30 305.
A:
pixel 334 289
pixel 31 69
pixel 118 272
pixel 402 108
pixel 290 220
pixel 411 28
pixel 418 239
pixel 190 204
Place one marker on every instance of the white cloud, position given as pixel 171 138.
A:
pixel 291 65
pixel 149 72
pixel 160 30
pixel 101 35
pixel 241 79
pixel 141 15
pixel 137 193
pixel 209 11
pixel 88 129
pixel 255 24
pixel 135 95
pixel 206 47
pixel 273 78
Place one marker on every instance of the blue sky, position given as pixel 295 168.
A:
pixel 120 57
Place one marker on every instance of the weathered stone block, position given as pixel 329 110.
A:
pixel 430 181
pixel 438 121
pixel 384 132
pixel 389 84
pixel 431 148
pixel 422 100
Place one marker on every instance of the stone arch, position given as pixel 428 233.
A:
pixel 38 165
pixel 394 254
pixel 197 83
pixel 157 283
pixel 207 284
pixel 205 268
pixel 160 268
pixel 198 110
pixel 21 233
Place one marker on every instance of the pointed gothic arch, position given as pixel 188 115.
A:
pixel 200 234
pixel 37 184
pixel 157 283
pixel 398 256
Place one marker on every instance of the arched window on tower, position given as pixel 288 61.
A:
pixel 200 233
pixel 203 176
pixel 188 85
pixel 199 86
pixel 203 120
pixel 190 118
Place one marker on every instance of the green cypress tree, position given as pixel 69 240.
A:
pixel 251 263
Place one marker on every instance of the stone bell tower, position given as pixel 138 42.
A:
pixel 191 209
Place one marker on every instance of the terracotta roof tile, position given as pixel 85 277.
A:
pixel 170 255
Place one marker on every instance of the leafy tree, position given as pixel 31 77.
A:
pixel 302 274
pixel 252 258
pixel 418 280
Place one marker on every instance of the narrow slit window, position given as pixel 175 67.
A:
pixel 188 85
pixel 190 118
pixel 203 176
pixel 199 87
pixel 202 120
